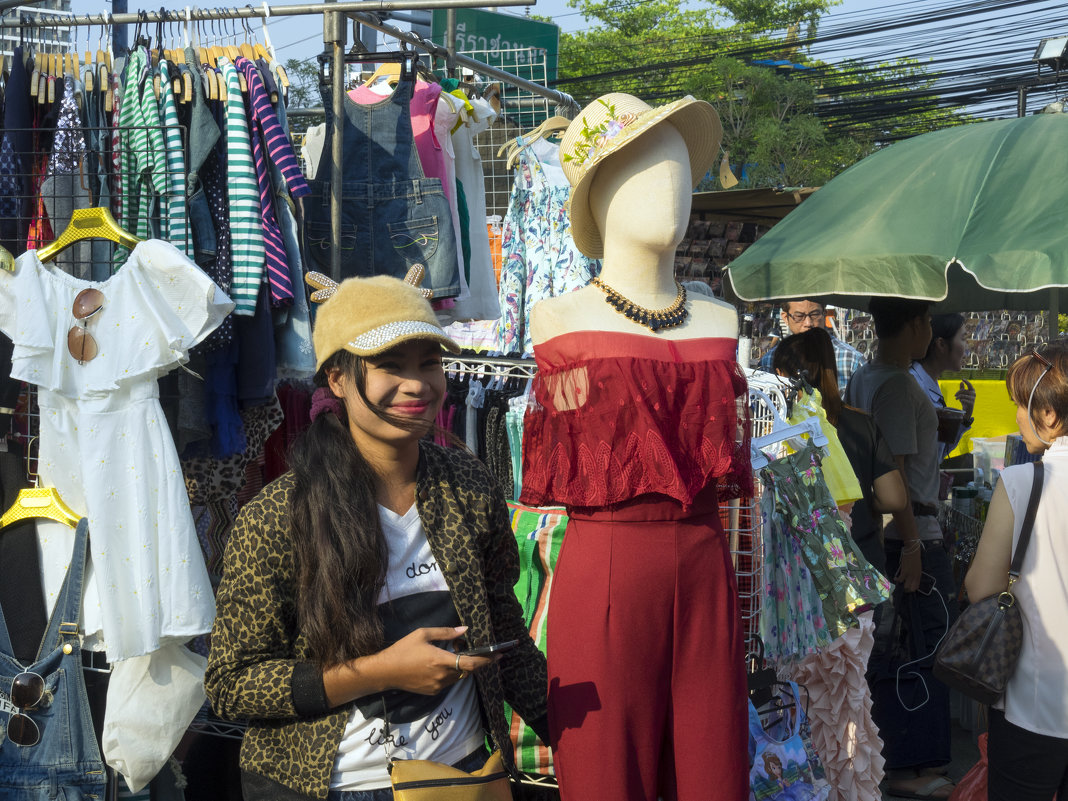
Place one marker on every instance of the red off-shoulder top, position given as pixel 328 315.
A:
pixel 617 416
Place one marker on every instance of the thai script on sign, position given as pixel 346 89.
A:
pixel 497 46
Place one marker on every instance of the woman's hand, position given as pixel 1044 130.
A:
pixel 416 664
pixel 966 397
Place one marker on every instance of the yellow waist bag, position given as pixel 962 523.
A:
pixel 426 780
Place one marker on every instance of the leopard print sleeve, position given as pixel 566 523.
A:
pixel 254 648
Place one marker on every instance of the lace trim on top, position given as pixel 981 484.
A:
pixel 617 416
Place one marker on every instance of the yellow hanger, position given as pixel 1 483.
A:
pixel 95 223
pixel 551 126
pixel 39 502
pixel 390 72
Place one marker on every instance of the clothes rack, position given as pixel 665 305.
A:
pixel 334 39
pixel 490 366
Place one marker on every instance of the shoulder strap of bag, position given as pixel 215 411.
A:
pixel 1028 524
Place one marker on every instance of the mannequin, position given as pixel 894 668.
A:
pixel 640 199
pixel 639 429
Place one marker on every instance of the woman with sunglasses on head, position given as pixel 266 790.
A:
pixel 352 583
pixel 1028 746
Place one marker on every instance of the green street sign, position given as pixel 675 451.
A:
pixel 515 44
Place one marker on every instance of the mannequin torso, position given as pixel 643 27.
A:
pixel 640 199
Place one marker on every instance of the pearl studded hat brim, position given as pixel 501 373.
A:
pixel 380 339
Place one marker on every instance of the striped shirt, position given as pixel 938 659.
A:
pixel 269 140
pixel 246 225
pixel 177 231
pixel 144 160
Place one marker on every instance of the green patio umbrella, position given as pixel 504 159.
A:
pixel 972 217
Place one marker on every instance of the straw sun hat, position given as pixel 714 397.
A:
pixel 610 123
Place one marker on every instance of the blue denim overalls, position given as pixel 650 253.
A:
pixel 65 763
pixel 392 216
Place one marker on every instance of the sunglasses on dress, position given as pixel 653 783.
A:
pixel 27 693
pixel 80 343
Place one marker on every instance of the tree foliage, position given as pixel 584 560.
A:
pixel 795 124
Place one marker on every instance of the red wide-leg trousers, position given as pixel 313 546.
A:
pixel 647 691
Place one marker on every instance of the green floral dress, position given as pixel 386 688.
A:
pixel 845 581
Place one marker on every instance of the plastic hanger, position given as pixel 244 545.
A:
pixel 39 502
pixel 389 72
pixel 95 223
pixel 266 50
pixel 553 125
pixel 7 261
pixel 782 431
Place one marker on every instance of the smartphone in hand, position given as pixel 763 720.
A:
pixel 486 650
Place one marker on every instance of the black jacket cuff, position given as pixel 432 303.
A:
pixel 309 694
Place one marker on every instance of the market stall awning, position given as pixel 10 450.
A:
pixel 763 206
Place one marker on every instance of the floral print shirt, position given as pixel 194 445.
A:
pixel 540 259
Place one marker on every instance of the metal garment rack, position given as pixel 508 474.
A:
pixel 490 366
pixel 334 37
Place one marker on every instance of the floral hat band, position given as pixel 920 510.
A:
pixel 607 126
pixel 593 140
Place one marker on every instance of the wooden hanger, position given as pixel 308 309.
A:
pixel 551 126
pixel 95 223
pixel 39 502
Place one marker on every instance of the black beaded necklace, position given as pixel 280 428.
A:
pixel 653 319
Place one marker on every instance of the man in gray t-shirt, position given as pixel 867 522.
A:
pixel 912 714
pixel 908 422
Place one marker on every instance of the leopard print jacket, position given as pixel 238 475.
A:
pixel 259 667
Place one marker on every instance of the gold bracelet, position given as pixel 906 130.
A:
pixel 911 547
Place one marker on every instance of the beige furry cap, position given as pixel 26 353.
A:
pixel 366 316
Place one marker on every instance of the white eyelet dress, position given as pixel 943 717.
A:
pixel 105 444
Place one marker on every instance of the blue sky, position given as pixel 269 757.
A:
pixel 301 37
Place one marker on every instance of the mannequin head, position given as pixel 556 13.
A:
pixel 640 197
pixel 611 128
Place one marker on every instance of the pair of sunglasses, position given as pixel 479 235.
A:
pixel 27 693
pixel 80 343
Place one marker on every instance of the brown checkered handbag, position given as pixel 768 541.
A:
pixel 978 655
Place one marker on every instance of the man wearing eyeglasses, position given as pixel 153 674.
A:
pixel 801 315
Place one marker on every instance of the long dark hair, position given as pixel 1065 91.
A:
pixel 340 551
pixel 810 355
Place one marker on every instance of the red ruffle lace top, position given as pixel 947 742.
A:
pixel 617 416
